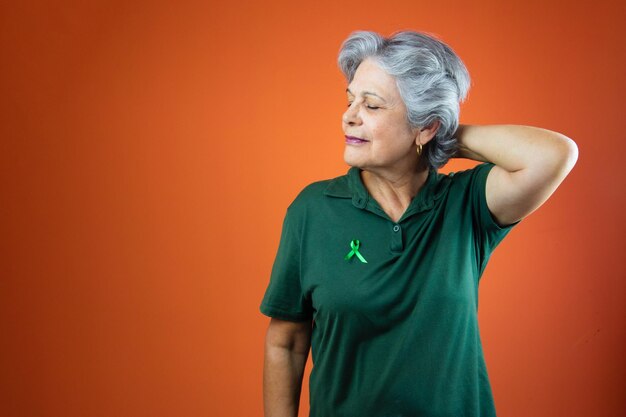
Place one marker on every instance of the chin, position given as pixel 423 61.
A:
pixel 351 160
pixel 353 157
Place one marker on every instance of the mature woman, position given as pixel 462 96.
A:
pixel 377 271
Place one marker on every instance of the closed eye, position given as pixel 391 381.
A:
pixel 369 107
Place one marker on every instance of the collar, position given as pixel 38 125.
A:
pixel 351 186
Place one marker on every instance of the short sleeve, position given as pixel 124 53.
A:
pixel 284 298
pixel 488 233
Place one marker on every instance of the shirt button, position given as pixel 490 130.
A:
pixel 396 228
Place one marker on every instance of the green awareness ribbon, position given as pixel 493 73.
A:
pixel 355 251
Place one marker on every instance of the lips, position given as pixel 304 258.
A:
pixel 354 139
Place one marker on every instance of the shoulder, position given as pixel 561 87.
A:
pixel 314 193
pixel 468 177
pixel 466 174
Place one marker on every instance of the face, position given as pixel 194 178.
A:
pixel 377 114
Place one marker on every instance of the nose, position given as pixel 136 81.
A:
pixel 351 115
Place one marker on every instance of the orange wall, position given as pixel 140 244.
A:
pixel 149 151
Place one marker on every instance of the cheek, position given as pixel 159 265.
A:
pixel 391 135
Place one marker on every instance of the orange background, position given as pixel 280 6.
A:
pixel 150 149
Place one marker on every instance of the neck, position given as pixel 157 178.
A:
pixel 394 190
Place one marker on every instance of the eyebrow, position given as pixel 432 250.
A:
pixel 367 93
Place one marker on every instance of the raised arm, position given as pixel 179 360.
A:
pixel 287 347
pixel 531 163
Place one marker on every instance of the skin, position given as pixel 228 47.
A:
pixel 530 164
pixel 392 172
pixel 287 346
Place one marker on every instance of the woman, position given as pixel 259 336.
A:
pixel 377 270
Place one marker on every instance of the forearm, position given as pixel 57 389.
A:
pixel 513 147
pixel 282 381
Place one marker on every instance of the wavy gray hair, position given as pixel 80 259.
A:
pixel 431 78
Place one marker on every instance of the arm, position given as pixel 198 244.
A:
pixel 530 164
pixel 286 351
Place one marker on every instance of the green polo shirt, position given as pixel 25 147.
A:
pixel 395 324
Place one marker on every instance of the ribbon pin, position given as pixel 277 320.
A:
pixel 354 245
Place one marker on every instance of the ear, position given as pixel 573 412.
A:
pixel 425 134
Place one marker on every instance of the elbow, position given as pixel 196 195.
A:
pixel 559 155
pixel 568 154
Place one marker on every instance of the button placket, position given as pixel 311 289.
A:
pixel 396 238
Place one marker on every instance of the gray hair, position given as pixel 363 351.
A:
pixel 431 78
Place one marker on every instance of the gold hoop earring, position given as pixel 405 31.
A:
pixel 419 150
